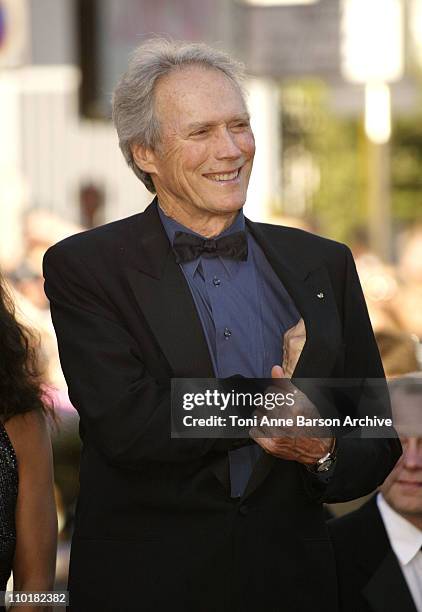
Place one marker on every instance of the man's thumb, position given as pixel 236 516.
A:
pixel 277 372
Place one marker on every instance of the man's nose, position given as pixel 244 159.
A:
pixel 412 454
pixel 226 145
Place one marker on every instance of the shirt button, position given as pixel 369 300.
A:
pixel 227 333
pixel 216 281
pixel 243 510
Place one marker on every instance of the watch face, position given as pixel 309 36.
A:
pixel 324 467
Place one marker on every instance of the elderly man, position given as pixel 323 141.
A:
pixel 378 547
pixel 191 289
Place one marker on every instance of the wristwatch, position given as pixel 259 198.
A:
pixel 326 462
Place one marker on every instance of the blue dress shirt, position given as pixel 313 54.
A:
pixel 245 311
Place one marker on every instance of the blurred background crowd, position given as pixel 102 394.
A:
pixel 334 89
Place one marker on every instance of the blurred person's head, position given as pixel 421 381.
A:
pixel 403 487
pixel 20 389
pixel 183 126
pixel 30 284
pixel 398 352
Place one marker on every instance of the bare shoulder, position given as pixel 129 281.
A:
pixel 28 433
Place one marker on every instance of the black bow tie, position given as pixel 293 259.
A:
pixel 188 247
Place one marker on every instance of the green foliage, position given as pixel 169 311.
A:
pixel 340 201
pixel 406 168
pixel 339 150
pixel 334 143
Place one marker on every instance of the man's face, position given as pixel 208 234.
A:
pixel 403 487
pixel 207 146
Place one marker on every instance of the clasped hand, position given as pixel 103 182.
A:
pixel 303 443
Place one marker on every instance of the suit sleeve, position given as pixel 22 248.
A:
pixel 124 411
pixel 362 464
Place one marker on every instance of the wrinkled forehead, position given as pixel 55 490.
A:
pixel 407 412
pixel 195 94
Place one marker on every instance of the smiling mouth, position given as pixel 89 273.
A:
pixel 410 483
pixel 223 177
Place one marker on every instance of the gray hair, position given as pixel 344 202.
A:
pixel 133 97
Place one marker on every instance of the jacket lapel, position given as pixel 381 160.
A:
pixel 387 590
pixel 166 302
pixel 322 323
pixel 164 297
pixel 310 288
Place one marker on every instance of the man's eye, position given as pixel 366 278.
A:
pixel 200 132
pixel 241 125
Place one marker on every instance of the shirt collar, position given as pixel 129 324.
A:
pixel 405 538
pixel 171 226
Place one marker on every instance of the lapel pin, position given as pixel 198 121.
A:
pixel 320 295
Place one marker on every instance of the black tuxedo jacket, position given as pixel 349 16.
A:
pixel 155 525
pixel 369 574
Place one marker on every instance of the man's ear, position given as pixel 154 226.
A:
pixel 144 158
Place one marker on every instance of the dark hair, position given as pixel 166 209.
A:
pixel 20 389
